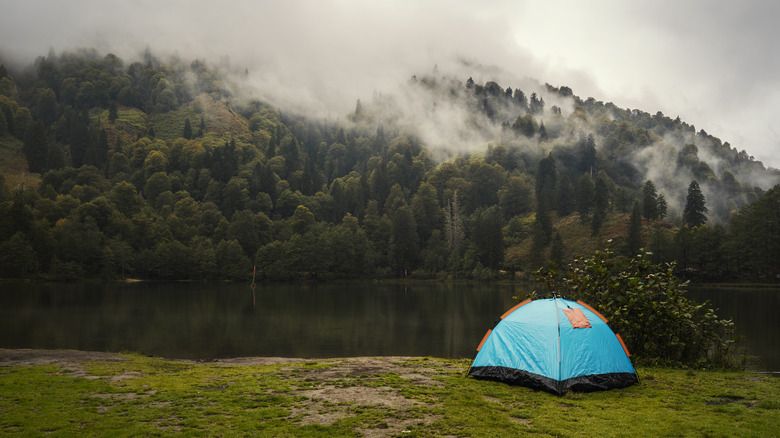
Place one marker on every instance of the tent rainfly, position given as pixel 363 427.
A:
pixel 555 345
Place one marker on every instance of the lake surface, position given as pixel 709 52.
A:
pixel 755 314
pixel 195 320
pixel 203 321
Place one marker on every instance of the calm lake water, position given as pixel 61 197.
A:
pixel 202 321
pixel 754 312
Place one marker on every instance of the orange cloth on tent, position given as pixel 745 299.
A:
pixel 577 318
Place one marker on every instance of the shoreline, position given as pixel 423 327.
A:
pixel 39 357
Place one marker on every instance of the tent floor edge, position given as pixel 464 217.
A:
pixel 513 376
pixel 599 382
pixel 588 383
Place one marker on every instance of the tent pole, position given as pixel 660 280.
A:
pixel 558 319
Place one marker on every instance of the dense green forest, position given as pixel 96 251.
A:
pixel 164 169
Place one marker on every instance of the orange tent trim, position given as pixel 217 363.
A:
pixel 592 310
pixel 621 343
pixel 485 338
pixel 515 308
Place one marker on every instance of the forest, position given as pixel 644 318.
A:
pixel 169 169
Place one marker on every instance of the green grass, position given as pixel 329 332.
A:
pixel 378 396
pixel 219 119
pixel 13 163
pixel 170 126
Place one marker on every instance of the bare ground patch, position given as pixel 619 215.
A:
pixel 70 361
pixel 336 387
pixel 330 389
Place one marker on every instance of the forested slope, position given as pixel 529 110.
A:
pixel 167 170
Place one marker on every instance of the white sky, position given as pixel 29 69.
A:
pixel 716 64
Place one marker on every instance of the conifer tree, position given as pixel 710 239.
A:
pixel 600 203
pixel 546 177
pixel 565 196
pixel 634 238
pixel 404 242
pixel 695 209
pixel 556 252
pixel 113 112
pixel 453 226
pixel 543 226
pixel 187 129
pixel 489 241
pixel 542 132
pixel 661 207
pixel 358 109
pixel 36 147
pixel 521 100
pixel 587 154
pixel 584 196
pixel 649 201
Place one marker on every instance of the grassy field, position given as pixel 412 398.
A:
pixel 75 394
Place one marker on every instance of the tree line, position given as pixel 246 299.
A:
pixel 154 170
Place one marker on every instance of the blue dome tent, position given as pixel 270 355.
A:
pixel 554 345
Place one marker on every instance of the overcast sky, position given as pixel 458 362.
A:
pixel 716 64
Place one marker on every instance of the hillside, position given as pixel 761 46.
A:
pixel 168 169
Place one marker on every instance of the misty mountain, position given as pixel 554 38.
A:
pixel 178 169
pixel 453 117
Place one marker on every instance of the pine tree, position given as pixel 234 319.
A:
pixel 661 207
pixel 694 213
pixel 564 192
pixel 358 108
pixel 453 226
pixel 601 203
pixel 187 129
pixel 489 241
pixel 546 177
pixel 588 154
pixel 536 104
pixel 113 112
pixel 584 196
pixel 542 132
pixel 78 138
pixel 543 226
pixel 36 147
pixel 521 100
pixel 556 252
pixel 649 201
pixel 634 238
pixel 404 242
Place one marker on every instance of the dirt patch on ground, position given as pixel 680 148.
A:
pixel 330 389
pixel 29 357
pixel 333 388
pixel 70 361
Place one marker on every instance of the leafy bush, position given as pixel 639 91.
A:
pixel 646 304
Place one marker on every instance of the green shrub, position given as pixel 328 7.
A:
pixel 646 304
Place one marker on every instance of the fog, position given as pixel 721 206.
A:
pixel 712 63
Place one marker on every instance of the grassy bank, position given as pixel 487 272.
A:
pixel 130 395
